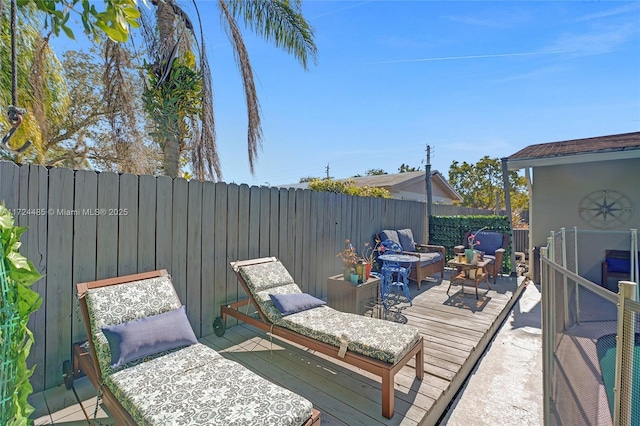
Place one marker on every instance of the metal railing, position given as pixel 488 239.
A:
pixel 590 337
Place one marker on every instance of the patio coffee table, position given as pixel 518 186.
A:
pixel 463 271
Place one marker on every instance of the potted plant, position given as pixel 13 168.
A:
pixel 369 256
pixel 349 259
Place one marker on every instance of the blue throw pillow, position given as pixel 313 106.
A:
pixel 388 234
pixel 291 303
pixel 489 242
pixel 147 336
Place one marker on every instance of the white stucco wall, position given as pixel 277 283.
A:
pixel 558 191
pixel 417 192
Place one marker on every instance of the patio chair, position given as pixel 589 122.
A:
pixel 493 244
pixel 375 345
pixel 431 257
pixel 151 370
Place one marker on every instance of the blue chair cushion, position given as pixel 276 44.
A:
pixel 489 242
pixel 406 240
pixel 619 265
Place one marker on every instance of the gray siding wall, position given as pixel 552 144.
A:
pixel 99 225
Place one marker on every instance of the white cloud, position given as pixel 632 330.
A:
pixel 631 7
pixel 596 42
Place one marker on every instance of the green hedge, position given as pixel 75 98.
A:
pixel 448 231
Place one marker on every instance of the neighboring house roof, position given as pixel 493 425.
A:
pixel 601 148
pixel 396 182
pixel 391 180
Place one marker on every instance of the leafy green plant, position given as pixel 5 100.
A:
pixel 17 303
pixel 347 187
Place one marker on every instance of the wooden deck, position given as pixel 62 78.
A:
pixel 456 329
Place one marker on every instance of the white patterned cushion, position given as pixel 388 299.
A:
pixel 379 339
pixel 196 385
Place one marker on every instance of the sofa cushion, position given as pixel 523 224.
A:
pixel 488 242
pixel 429 258
pixel 406 240
pixel 390 235
pixel 291 303
pixel 148 336
pixel 619 265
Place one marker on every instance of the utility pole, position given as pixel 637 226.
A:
pixel 427 178
pixel 327 168
pixel 428 181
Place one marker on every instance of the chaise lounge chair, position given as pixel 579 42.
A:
pixel 377 346
pixel 151 370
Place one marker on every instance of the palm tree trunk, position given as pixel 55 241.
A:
pixel 165 16
pixel 171 156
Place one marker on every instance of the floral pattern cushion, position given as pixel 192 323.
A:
pixel 376 338
pixel 121 303
pixel 264 276
pixel 196 385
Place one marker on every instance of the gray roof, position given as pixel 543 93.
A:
pixel 386 181
pixel 624 145
pixel 389 180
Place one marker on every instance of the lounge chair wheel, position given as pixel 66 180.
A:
pixel 219 327
pixel 67 374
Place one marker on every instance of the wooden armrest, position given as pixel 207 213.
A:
pixel 426 248
pixel 411 253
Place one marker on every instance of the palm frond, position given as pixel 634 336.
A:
pixel 254 131
pixel 279 21
pixel 205 159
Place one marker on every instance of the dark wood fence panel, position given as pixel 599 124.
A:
pixel 98 225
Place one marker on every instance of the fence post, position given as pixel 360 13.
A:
pixel 625 341
pixel 565 284
pixel 547 339
pixel 575 259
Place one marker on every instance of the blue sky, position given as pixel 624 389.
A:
pixel 467 78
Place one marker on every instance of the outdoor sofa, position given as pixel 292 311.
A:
pixel 432 257
pixel 375 345
pixel 151 370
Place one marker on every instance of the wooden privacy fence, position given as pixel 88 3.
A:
pixel 84 226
